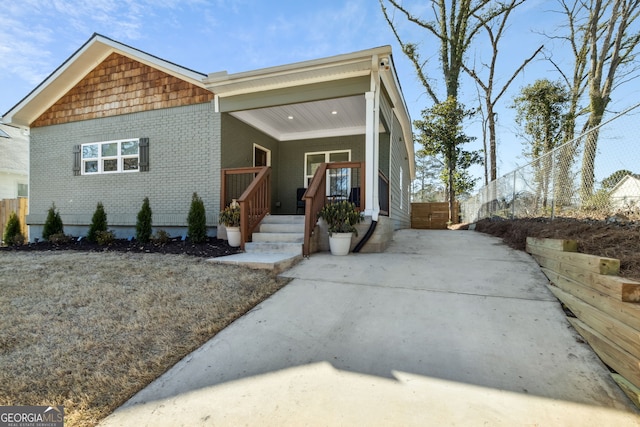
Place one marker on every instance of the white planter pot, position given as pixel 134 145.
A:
pixel 340 243
pixel 233 236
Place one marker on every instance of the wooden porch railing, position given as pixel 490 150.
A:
pixel 255 199
pixel 316 196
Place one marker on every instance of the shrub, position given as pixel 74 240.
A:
pixel 60 238
pixel 53 223
pixel 143 224
pixel 104 237
pixel 98 223
pixel 12 235
pixel 161 237
pixel 197 220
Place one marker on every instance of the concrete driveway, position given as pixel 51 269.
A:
pixel 445 328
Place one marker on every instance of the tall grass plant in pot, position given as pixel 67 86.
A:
pixel 230 218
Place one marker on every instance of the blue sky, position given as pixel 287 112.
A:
pixel 36 36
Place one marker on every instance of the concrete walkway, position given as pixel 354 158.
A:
pixel 445 328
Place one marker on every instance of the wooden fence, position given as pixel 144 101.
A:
pixel 606 306
pixel 20 206
pixel 432 216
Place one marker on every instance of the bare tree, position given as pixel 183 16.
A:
pixel 487 85
pixel 612 43
pixel 455 23
pixel 576 82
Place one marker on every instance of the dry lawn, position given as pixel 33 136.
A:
pixel 88 330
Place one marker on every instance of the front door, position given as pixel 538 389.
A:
pixel 261 156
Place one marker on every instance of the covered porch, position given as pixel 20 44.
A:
pixel 298 136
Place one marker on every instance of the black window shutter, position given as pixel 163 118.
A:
pixel 144 154
pixel 76 160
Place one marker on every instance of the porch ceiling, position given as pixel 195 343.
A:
pixel 316 119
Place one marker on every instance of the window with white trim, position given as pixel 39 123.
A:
pixel 110 156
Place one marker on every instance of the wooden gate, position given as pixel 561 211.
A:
pixel 20 207
pixel 431 216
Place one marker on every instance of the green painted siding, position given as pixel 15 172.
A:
pixel 399 181
pixel 184 147
pixel 237 150
pixel 291 161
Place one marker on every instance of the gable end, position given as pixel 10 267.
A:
pixel 121 85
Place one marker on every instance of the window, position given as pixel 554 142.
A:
pixel 338 180
pixel 110 156
pixel 23 190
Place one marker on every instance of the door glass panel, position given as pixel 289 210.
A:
pixel 313 161
pixel 339 178
pixel 260 157
pixel 339 157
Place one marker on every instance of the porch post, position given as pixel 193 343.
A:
pixel 372 148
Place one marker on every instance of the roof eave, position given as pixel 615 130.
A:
pixel 299 73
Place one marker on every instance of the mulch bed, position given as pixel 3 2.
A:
pixel 612 238
pixel 211 248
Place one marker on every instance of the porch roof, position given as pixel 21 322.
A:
pixel 328 93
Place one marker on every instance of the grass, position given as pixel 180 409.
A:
pixel 89 330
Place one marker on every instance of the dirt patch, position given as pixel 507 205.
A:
pixel 613 238
pixel 87 330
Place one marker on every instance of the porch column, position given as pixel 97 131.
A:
pixel 372 148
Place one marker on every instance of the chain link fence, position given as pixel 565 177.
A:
pixel 596 175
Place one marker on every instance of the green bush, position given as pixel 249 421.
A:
pixel 144 222
pixel 197 220
pixel 12 234
pixel 98 223
pixel 104 237
pixel 53 223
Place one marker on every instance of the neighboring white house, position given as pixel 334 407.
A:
pixel 14 162
pixel 626 194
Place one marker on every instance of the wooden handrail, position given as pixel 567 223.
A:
pixel 233 171
pixel 316 197
pixel 255 203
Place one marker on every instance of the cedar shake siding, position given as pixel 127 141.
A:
pixel 121 85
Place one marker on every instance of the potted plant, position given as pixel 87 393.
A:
pixel 230 217
pixel 341 218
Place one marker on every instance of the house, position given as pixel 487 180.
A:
pixel 14 162
pixel 114 124
pixel 625 195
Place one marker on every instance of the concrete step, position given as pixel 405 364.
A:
pixel 278 237
pixel 283 219
pixel 282 228
pixel 273 248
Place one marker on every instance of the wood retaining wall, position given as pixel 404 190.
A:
pixel 606 306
